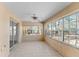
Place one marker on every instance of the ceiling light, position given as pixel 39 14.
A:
pixel 34 17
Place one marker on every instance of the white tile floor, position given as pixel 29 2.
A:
pixel 33 49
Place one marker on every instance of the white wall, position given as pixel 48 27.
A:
pixel 5 15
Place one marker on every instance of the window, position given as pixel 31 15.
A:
pixel 49 26
pixel 72 30
pixel 57 29
pixel 53 30
pixel 35 29
pixel 66 30
pixel 77 30
pixel 60 31
pixel 49 29
pixel 31 30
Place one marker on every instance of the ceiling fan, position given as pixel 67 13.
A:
pixel 34 16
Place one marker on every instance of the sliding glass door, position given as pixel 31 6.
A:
pixel 13 33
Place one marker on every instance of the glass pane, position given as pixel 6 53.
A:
pixel 32 30
pixel 15 39
pixel 35 30
pixel 66 29
pixel 77 43
pixel 72 32
pixel 11 35
pixel 56 31
pixel 53 30
pixel 15 30
pixel 49 26
pixel 49 29
pixel 60 31
pixel 28 30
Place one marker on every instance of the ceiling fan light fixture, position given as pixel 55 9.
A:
pixel 34 17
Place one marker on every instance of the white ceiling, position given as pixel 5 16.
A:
pixel 43 10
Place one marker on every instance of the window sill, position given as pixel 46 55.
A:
pixel 64 43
